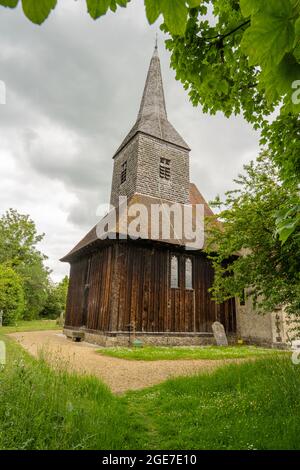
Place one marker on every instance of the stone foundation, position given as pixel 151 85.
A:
pixel 121 338
pixel 264 343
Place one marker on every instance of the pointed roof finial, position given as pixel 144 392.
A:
pixel 156 39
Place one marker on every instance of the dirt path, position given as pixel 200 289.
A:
pixel 119 374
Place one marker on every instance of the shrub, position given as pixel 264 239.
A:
pixel 56 301
pixel 11 295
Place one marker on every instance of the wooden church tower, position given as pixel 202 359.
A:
pixel 153 289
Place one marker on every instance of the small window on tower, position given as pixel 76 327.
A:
pixel 123 172
pixel 164 169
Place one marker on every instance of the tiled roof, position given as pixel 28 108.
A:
pixel 123 222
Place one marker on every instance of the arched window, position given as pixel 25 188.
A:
pixel 188 273
pixel 174 272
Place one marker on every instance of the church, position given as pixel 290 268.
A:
pixel 151 288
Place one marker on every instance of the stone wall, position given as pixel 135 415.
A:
pixel 155 339
pixel 253 327
pixel 269 329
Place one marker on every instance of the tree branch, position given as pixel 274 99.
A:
pixel 223 36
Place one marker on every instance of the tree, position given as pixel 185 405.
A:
pixel 18 249
pixel 18 238
pixel 36 286
pixel 11 295
pixel 245 253
pixel 57 297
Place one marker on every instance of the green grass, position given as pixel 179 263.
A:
pixel 43 409
pixel 33 325
pixel 152 353
pixel 254 405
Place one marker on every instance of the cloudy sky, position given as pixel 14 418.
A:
pixel 73 92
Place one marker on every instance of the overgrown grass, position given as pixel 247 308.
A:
pixel 33 325
pixel 254 405
pixel 149 353
pixel 43 409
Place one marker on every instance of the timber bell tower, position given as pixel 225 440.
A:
pixel 149 284
pixel 153 159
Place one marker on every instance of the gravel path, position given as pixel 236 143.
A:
pixel 119 374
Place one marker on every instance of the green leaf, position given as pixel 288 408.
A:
pixel 286 231
pixel 97 8
pixel 175 15
pixel 38 12
pixel 224 86
pixel 279 80
pixel 113 5
pixel 9 3
pixel 271 34
pixel 287 221
pixel 249 7
pixel 297 31
pixel 289 71
pixel 153 10
pixel 193 3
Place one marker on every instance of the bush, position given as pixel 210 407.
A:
pixel 56 301
pixel 11 295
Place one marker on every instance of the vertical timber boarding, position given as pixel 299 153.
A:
pixel 129 284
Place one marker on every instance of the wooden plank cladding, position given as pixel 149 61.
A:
pixel 129 284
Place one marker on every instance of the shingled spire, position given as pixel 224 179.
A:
pixel 152 117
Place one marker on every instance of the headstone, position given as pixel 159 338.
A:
pixel 219 334
pixel 62 319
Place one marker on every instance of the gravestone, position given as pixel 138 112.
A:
pixel 62 319
pixel 219 334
